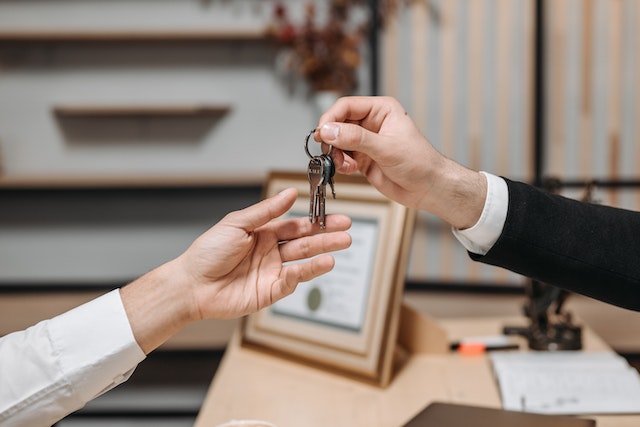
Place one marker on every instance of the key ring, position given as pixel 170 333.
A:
pixel 306 145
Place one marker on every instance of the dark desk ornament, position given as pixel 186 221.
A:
pixel 550 327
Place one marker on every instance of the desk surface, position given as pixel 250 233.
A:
pixel 252 385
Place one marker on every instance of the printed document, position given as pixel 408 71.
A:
pixel 567 382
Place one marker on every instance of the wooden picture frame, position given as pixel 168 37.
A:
pixel 346 320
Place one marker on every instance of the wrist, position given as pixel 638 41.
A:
pixel 459 195
pixel 158 305
pixel 480 238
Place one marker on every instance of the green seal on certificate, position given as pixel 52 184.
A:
pixel 314 299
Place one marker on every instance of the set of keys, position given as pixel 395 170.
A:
pixel 320 173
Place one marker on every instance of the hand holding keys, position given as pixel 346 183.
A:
pixel 320 172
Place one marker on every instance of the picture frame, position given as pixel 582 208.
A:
pixel 345 321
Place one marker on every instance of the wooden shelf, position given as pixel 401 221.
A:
pixel 112 110
pixel 124 35
pixel 82 182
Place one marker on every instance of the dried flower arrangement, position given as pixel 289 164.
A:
pixel 326 56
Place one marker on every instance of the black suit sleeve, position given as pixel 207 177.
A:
pixel 586 248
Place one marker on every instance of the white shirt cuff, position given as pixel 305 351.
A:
pixel 56 366
pixel 480 238
pixel 96 345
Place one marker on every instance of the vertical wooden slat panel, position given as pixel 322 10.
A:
pixel 615 95
pixel 476 77
pixel 601 143
pixel 489 91
pixel 628 141
pixel 503 75
pixel 603 126
pixel 572 99
pixel 616 25
pixel 601 93
pixel 556 43
pixel 592 112
pixel 458 83
pixel 587 62
pixel 529 102
pixel 521 91
pixel 584 152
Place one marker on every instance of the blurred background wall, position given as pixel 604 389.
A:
pixel 128 127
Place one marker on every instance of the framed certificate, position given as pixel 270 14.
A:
pixel 347 319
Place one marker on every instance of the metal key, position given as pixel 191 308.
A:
pixel 315 173
pixel 322 189
pixel 329 172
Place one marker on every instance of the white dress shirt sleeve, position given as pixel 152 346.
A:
pixel 55 367
pixel 481 237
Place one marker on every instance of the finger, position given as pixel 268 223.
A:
pixel 353 137
pixel 295 228
pixel 344 162
pixel 314 245
pixel 262 212
pixel 293 274
pixel 348 166
pixel 353 108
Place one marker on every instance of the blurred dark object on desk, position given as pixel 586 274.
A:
pixel 440 414
pixel 550 328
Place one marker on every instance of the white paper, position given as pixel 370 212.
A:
pixel 567 383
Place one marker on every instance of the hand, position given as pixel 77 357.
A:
pixel 235 268
pixel 375 135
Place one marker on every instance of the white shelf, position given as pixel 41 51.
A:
pixel 60 35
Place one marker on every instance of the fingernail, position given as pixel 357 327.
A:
pixel 329 132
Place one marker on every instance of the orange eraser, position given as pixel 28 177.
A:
pixel 471 348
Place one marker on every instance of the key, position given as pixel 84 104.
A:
pixel 321 202
pixel 316 176
pixel 329 171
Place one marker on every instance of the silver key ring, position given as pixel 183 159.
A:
pixel 306 144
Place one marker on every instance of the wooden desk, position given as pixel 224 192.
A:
pixel 253 385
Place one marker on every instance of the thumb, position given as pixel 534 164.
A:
pixel 352 137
